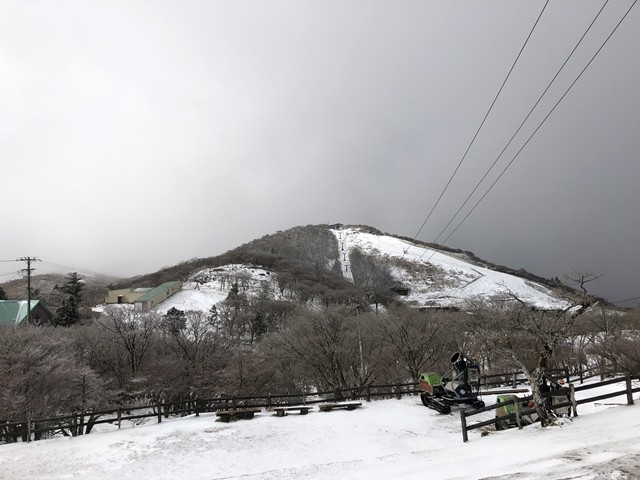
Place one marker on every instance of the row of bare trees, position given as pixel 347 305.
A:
pixel 259 346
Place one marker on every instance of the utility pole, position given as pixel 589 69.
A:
pixel 29 260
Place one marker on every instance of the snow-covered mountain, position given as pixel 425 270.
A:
pixel 419 275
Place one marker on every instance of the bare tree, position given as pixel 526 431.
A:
pixel 618 345
pixel 131 331
pixel 509 328
pixel 415 339
pixel 198 349
pixel 328 342
pixel 41 376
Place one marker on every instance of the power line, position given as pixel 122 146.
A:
pixel 523 122
pixel 480 127
pixel 79 270
pixel 540 125
pixel 626 300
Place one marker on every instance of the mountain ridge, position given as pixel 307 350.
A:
pixel 309 260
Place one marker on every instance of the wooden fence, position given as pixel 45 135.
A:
pixel 517 377
pixel 571 402
pixel 81 423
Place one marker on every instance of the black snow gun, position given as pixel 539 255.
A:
pixel 441 392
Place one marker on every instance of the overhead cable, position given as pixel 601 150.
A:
pixel 539 126
pixel 479 128
pixel 522 123
pixel 79 270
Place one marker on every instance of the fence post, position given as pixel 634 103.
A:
pixel 74 425
pixel 119 417
pixel 268 401
pixel 574 404
pixel 566 375
pixel 514 384
pixel 516 406
pixel 627 379
pixel 304 398
pixel 581 375
pixel 368 392
pixel 196 405
pixel 463 422
pixel 159 412
pixel 28 430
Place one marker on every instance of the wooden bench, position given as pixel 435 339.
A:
pixel 282 411
pixel 327 407
pixel 237 414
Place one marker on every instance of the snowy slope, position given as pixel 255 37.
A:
pixel 440 279
pixel 434 278
pixel 212 285
pixel 384 440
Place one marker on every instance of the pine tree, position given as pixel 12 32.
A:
pixel 68 313
pixel 3 294
pixel 175 321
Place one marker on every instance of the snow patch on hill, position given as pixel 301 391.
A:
pixel 440 279
pixel 209 286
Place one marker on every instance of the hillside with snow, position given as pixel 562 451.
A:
pixel 384 439
pixel 417 275
pixel 440 279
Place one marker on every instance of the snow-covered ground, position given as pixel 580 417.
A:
pixel 385 439
pixel 454 280
pixel 212 285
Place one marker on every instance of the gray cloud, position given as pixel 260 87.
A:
pixel 136 135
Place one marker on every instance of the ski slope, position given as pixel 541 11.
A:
pixel 454 281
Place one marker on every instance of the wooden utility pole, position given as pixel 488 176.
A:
pixel 29 260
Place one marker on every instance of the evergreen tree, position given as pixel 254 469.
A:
pixel 68 313
pixel 175 321
pixel 3 294
pixel 234 292
pixel 213 314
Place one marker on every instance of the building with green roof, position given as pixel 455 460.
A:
pixel 16 312
pixel 156 296
pixel 146 298
pixel 126 295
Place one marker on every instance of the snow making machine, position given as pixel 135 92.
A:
pixel 459 386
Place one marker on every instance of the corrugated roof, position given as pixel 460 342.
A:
pixel 12 312
pixel 156 291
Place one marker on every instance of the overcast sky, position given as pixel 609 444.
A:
pixel 137 134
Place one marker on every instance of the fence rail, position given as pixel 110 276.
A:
pixel 81 423
pixel 571 402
